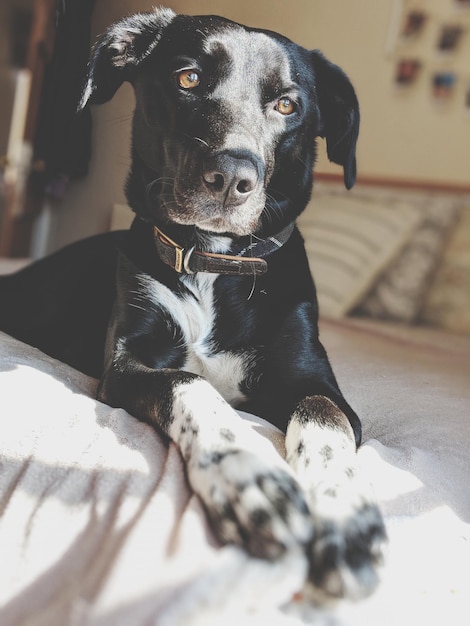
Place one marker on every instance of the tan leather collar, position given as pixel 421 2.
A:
pixel 191 261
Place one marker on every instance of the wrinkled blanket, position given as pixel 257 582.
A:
pixel 99 527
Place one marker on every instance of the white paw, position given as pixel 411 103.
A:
pixel 252 502
pixel 349 543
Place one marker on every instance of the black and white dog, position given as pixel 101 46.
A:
pixel 214 306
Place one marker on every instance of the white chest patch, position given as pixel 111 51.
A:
pixel 195 314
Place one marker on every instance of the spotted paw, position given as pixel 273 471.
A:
pixel 348 546
pixel 251 502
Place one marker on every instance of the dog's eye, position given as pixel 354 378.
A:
pixel 188 79
pixel 285 106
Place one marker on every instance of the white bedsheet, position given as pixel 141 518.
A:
pixel 98 526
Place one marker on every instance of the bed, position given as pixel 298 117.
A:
pixel 98 526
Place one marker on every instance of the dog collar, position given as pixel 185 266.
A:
pixel 191 261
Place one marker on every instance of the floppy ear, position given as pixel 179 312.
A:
pixel 339 112
pixel 119 51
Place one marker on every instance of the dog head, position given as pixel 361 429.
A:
pixel 225 120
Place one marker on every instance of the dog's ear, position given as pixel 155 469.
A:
pixel 339 112
pixel 119 51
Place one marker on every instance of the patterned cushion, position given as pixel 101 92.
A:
pixel 447 302
pixel 350 239
pixel 399 291
pixel 373 251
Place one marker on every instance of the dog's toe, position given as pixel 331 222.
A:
pixel 254 504
pixel 348 549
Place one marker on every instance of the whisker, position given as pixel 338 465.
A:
pixel 253 286
pixel 150 186
pixel 136 306
pixel 204 143
pixel 302 161
pixel 272 210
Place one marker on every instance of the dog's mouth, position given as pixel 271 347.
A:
pixel 197 208
pixel 214 222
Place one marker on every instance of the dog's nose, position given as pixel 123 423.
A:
pixel 231 178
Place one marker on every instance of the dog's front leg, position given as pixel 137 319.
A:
pixel 249 493
pixel 349 534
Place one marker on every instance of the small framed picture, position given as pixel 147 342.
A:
pixel 413 24
pixel 443 86
pixel 407 72
pixel 449 38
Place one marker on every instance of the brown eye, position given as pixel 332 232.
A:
pixel 188 79
pixel 285 106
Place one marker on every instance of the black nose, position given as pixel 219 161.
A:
pixel 230 177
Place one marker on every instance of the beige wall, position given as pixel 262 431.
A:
pixel 403 134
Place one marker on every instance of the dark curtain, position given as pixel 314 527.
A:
pixel 62 143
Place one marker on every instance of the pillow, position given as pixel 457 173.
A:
pixel 399 291
pixel 350 238
pixel 447 302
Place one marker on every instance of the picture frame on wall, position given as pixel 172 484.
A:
pixel 413 26
pixel 443 86
pixel 449 38
pixel 407 72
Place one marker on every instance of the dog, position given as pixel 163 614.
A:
pixel 207 304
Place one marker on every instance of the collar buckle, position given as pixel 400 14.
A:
pixel 179 262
